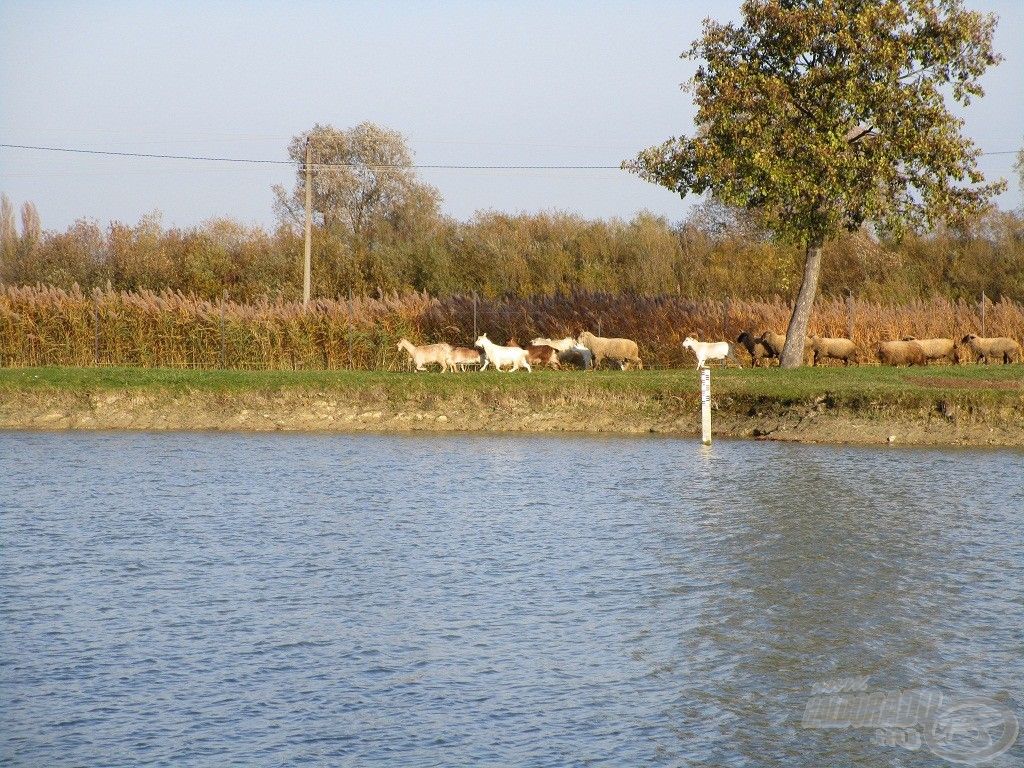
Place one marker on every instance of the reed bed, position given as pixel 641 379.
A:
pixel 42 325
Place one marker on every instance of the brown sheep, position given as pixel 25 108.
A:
pixel 838 349
pixel 542 354
pixel 463 356
pixel 625 351
pixel 773 342
pixel 754 346
pixel 998 347
pixel 936 349
pixel 900 353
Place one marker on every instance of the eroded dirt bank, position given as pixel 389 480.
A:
pixel 608 414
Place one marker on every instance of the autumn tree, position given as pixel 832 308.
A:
pixel 365 190
pixel 822 115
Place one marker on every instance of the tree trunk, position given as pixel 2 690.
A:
pixel 796 334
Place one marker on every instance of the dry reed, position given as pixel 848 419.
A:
pixel 42 325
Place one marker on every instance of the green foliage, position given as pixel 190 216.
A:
pixel 821 115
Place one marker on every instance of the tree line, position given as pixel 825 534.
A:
pixel 714 253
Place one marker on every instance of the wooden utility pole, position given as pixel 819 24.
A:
pixel 96 328
pixel 307 264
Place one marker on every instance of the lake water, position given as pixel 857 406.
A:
pixel 197 599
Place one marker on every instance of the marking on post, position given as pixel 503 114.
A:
pixel 705 405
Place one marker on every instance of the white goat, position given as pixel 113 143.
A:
pixel 708 350
pixel 502 356
pixel 429 353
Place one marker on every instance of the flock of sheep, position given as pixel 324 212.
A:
pixel 907 351
pixel 588 351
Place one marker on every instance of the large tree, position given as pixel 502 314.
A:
pixel 821 115
pixel 365 190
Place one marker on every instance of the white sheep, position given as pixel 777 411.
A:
pixel 936 349
pixel 999 348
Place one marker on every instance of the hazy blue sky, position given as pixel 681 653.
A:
pixel 466 82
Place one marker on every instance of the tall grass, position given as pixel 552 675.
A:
pixel 43 325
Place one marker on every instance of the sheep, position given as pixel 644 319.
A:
pixel 429 353
pixel 714 350
pixel 999 347
pixel 773 343
pixel 754 346
pixel 542 354
pixel 936 349
pixel 463 356
pixel 623 350
pixel 900 353
pixel 562 345
pixel 577 355
pixel 838 349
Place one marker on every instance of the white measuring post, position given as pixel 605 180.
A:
pixel 705 405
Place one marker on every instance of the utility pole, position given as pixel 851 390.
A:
pixel 307 265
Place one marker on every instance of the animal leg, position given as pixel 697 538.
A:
pixel 484 366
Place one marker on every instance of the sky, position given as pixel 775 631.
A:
pixel 477 83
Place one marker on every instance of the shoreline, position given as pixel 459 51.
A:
pixel 659 404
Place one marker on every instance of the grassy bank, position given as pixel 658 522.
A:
pixel 939 404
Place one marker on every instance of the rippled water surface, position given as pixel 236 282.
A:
pixel 378 600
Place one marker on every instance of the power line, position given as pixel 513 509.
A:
pixel 260 161
pixel 145 154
